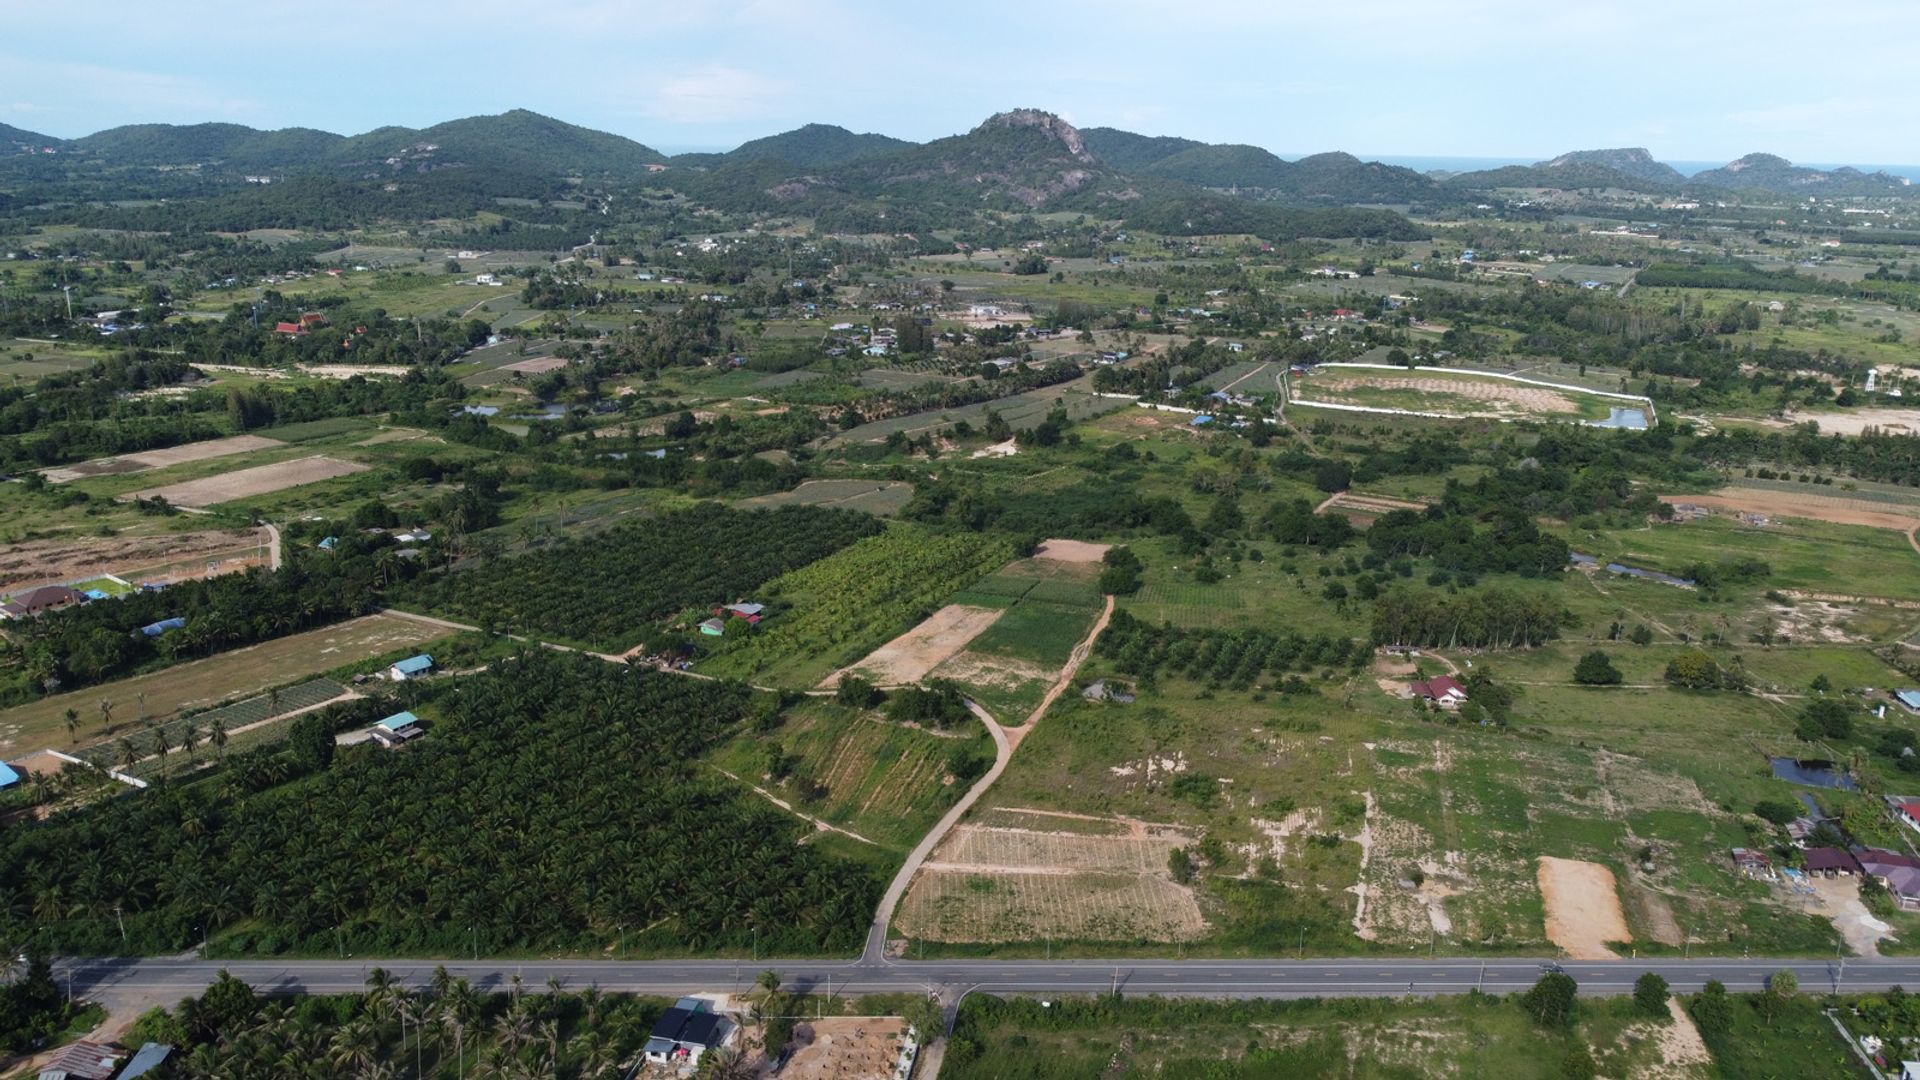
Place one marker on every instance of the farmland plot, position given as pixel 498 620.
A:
pixel 160 459
pixel 1005 884
pixel 245 483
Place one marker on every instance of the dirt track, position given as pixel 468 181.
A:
pixel 1583 908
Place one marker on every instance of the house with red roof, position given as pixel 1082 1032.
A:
pixel 1905 808
pixel 1443 690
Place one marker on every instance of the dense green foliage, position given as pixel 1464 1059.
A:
pixel 464 841
pixel 1235 658
pixel 446 1029
pixel 1492 617
pixel 606 588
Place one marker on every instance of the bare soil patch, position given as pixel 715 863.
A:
pixel 245 483
pixel 1857 421
pixel 1583 907
pixel 909 657
pixel 1072 551
pixel 849 1048
pixel 1015 884
pixel 348 371
pixel 38 562
pixel 1836 509
pixel 159 459
pixel 537 365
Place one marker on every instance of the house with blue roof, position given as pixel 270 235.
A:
pixel 8 777
pixel 399 728
pixel 1909 698
pixel 412 667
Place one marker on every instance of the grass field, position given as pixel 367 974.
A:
pixel 882 498
pixel 851 602
pixel 203 683
pixel 1472 1035
pixel 857 770
pixel 251 713
pixel 1812 555
pixel 1019 411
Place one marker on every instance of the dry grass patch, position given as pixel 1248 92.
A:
pixel 160 459
pixel 246 483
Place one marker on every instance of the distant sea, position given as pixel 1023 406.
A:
pixel 1474 164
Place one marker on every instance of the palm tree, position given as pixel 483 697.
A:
pixel 355 1046
pixel 161 748
pixel 106 715
pixel 73 724
pixel 189 738
pixel 218 736
pixel 128 755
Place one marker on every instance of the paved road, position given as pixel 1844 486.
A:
pixel 156 979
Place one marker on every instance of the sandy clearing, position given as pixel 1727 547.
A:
pixel 348 371
pixel 1857 421
pixel 1835 509
pixel 1838 900
pixel 37 562
pixel 537 365
pixel 245 483
pixel 909 657
pixel 159 459
pixel 1072 551
pixel 848 1048
pixel 1681 1047
pixel 1583 907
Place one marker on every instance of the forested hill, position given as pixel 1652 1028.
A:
pixel 1768 172
pixel 817 146
pixel 516 141
pixel 13 138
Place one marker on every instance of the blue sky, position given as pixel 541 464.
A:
pixel 1830 82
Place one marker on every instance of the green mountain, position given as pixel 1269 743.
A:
pixel 1321 178
pixel 1634 161
pixel 517 141
pixel 1769 172
pixel 227 144
pixel 1223 166
pixel 1569 176
pixel 1129 152
pixel 815 146
pixel 12 138
pixel 1341 177
pixel 1022 159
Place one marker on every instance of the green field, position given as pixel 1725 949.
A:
pixel 885 782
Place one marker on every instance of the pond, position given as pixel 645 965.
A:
pixel 1582 559
pixel 1811 773
pixel 1623 416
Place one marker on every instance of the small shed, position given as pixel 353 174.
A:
pixel 412 667
pixel 1908 698
pixel 399 728
pixel 714 627
pixel 83 1061
pixel 145 1060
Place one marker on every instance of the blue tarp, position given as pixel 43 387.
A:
pixel 164 625
pixel 8 777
